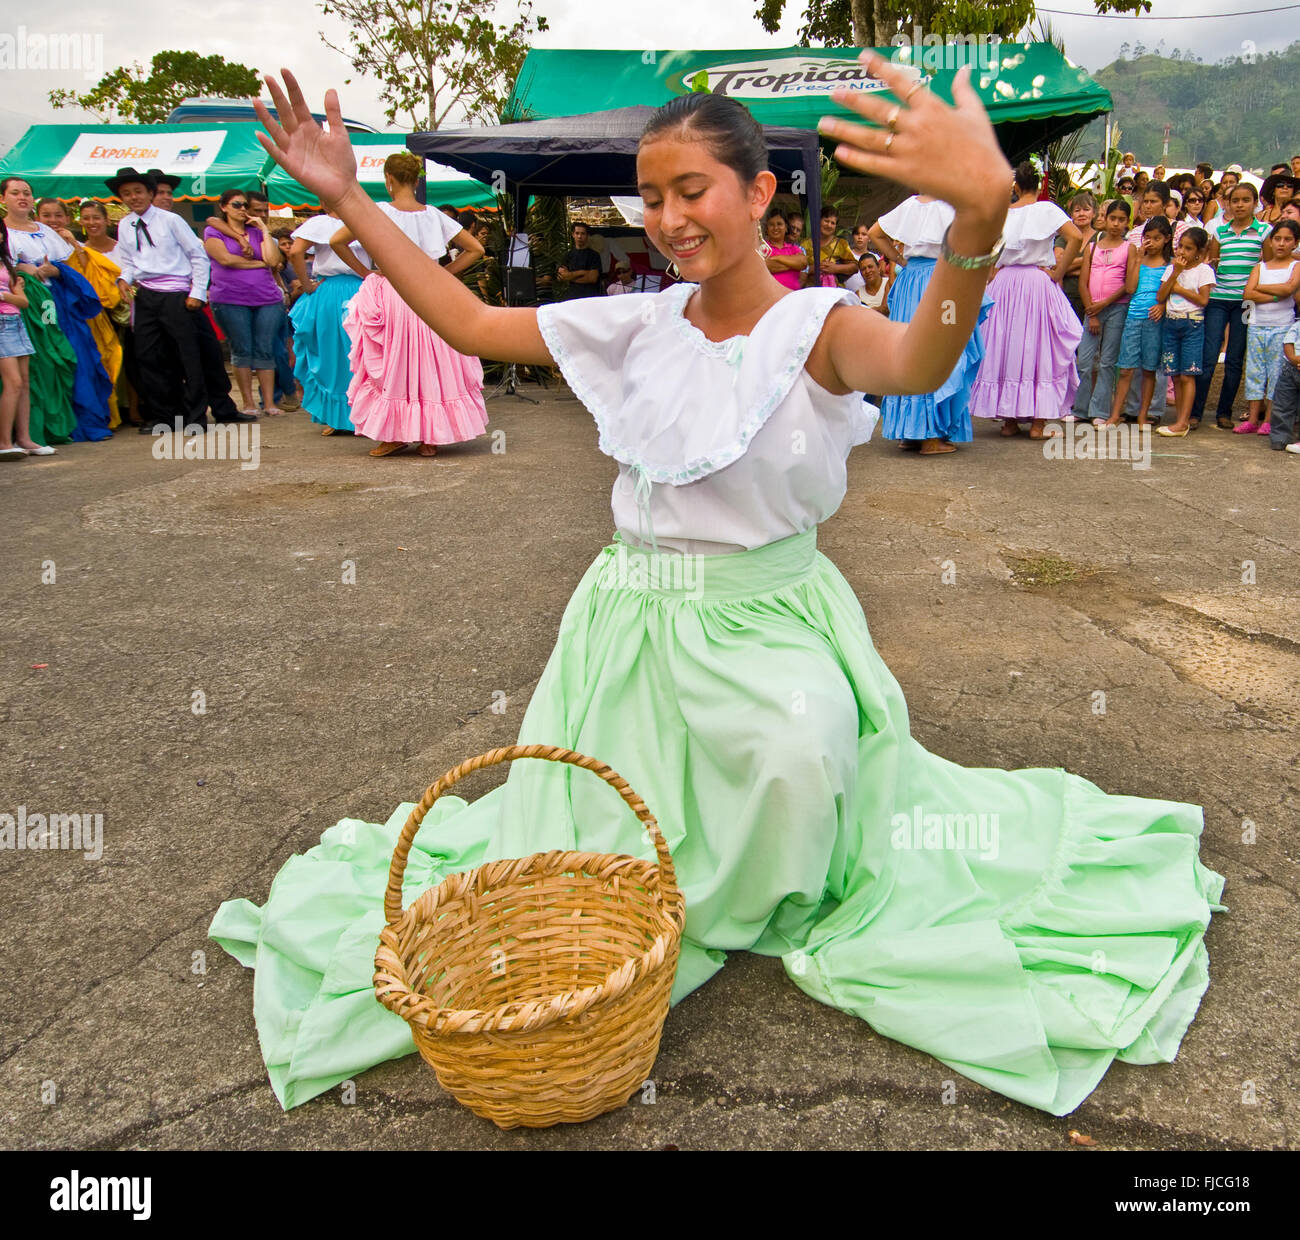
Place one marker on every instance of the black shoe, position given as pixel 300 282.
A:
pixel 239 417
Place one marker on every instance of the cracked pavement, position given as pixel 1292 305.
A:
pixel 325 700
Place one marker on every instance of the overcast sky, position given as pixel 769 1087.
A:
pixel 134 30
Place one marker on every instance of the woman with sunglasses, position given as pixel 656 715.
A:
pixel 1194 207
pixel 245 298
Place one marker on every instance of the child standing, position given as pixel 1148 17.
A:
pixel 1286 400
pixel 1141 342
pixel 1105 305
pixel 1270 300
pixel 1184 290
pixel 15 349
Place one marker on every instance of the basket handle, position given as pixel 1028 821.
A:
pixel 549 753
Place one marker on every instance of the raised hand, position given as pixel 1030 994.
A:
pixel 320 160
pixel 948 152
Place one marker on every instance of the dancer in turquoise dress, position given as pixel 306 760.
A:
pixel 1023 927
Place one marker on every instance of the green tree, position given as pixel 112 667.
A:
pixel 874 23
pixel 130 94
pixel 430 56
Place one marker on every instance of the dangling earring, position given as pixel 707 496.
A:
pixel 763 248
pixel 673 270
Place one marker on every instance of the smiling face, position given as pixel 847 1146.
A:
pixel 829 224
pixel 136 196
pixel 697 213
pixel 794 227
pixel 1291 212
pixel 776 229
pixel 870 270
pixel 53 215
pixel 94 221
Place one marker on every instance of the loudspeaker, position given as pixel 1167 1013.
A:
pixel 521 286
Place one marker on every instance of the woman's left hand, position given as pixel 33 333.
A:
pixel 950 153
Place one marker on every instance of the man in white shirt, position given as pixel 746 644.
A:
pixel 165 271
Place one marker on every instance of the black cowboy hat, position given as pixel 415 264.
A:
pixel 126 176
pixel 1272 182
pixel 165 178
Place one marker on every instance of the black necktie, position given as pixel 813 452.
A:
pixel 141 228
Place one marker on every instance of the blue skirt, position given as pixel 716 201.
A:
pixel 321 347
pixel 945 413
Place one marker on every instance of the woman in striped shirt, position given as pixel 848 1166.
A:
pixel 1234 249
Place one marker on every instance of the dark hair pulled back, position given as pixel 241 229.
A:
pixel 734 136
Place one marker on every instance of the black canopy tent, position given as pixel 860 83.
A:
pixel 595 154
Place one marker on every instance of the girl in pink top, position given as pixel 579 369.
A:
pixel 784 261
pixel 1105 306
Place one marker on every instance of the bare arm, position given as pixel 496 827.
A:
pixel 298 261
pixel 217 252
pixel 885 244
pixel 860 351
pixel 272 256
pixel 1074 242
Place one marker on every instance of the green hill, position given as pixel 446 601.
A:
pixel 1230 112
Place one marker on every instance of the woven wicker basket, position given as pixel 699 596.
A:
pixel 535 988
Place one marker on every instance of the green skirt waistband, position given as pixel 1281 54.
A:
pixel 707 578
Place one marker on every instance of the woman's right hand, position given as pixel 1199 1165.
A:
pixel 321 161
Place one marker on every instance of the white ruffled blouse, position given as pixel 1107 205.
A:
pixel 721 446
pixel 1029 234
pixel 918 226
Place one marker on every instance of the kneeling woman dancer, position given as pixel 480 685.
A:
pixel 751 710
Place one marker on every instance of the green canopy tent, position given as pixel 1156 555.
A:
pixel 72 161
pixel 1033 93
pixel 442 185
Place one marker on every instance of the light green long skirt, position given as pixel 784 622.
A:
pixel 1023 927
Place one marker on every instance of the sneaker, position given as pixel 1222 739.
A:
pixel 1293 447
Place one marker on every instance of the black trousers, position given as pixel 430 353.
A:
pixel 161 319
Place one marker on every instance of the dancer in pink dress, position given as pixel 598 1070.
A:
pixel 408 384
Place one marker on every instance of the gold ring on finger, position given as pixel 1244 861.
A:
pixel 889 141
pixel 919 84
pixel 892 119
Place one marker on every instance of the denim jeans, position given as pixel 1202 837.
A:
pixel 1093 401
pixel 1156 409
pixel 1282 420
pixel 1218 315
pixel 285 383
pixel 251 331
